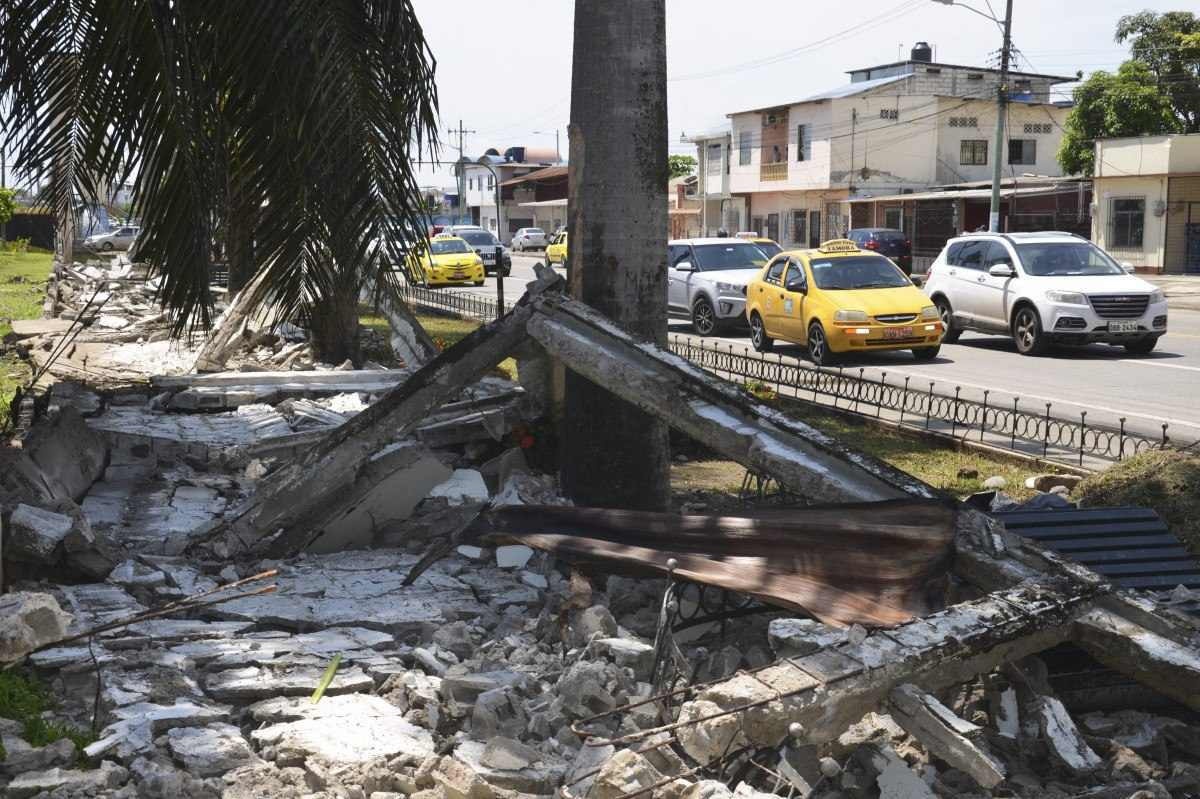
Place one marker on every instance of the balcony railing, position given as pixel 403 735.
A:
pixel 773 171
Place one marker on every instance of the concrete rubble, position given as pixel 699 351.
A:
pixel 479 668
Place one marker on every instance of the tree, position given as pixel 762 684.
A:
pixel 8 206
pixel 1127 103
pixel 1169 44
pixel 681 165
pixel 295 121
pixel 615 455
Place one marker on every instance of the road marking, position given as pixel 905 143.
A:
pixel 1156 363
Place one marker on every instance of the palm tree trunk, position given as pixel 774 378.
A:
pixel 333 325
pixel 614 455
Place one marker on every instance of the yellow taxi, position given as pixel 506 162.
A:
pixel 556 250
pixel 449 259
pixel 838 299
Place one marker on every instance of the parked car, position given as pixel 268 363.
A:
pixel 117 239
pixel 1041 289
pixel 449 259
pixel 529 238
pixel 556 250
pixel 706 280
pixel 489 248
pixel 839 299
pixel 769 247
pixel 885 241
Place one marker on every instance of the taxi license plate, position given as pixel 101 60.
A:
pixel 1122 327
pixel 897 332
pixel 459 275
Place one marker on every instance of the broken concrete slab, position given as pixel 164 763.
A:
pixel 28 328
pixel 945 735
pixel 513 556
pixel 68 456
pixel 249 683
pixel 353 728
pixel 19 757
pixel 36 535
pixel 520 768
pixel 28 621
pixel 799 637
pixel 464 485
pixel 210 751
pixel 137 725
pixel 71 782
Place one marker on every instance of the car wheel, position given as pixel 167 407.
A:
pixel 818 346
pixel 926 353
pixel 1142 345
pixel 1027 331
pixel 952 332
pixel 106 246
pixel 758 334
pixel 478 283
pixel 704 317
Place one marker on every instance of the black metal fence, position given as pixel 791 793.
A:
pixel 1030 428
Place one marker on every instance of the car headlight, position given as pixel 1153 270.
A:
pixel 729 288
pixel 1067 297
pixel 849 316
pixel 1157 296
pixel 930 312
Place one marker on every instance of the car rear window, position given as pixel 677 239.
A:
pixel 536 231
pixel 889 235
pixel 478 238
pixel 713 257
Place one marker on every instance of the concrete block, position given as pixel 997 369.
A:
pixel 513 556
pixel 36 535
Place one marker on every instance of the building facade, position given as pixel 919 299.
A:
pixel 894 129
pixel 480 187
pixel 1147 201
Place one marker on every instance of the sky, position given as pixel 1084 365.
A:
pixel 504 66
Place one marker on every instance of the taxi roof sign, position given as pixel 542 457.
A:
pixel 838 245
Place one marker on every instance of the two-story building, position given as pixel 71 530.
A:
pixel 480 187
pixel 789 170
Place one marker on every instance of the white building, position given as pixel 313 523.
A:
pixel 480 188
pixel 787 171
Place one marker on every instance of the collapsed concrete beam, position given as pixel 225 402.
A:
pixel 410 341
pixel 945 735
pixel 712 411
pixel 224 339
pixel 292 505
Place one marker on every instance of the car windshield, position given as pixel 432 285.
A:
pixel 1066 259
pixel 769 248
pixel 869 272
pixel 714 257
pixel 478 237
pixel 448 246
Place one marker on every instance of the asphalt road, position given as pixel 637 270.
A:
pixel 1151 390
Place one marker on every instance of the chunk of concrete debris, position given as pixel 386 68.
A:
pixel 69 782
pixel 528 771
pixel 800 637
pixel 209 751
pixel 472 552
pixel 466 688
pixel 68 455
pixel 36 535
pixel 29 620
pixel 513 556
pixel 20 757
pixel 352 728
pixel 465 485
pixel 253 682
pixel 893 776
pixel 1063 739
pixel 137 725
pixel 592 622
pixel 586 765
pixel 707 789
pixel 628 653
pixel 459 781
pixel 508 754
pixel 626 772
pixel 1048 482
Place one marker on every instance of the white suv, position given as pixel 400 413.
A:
pixel 707 278
pixel 1043 288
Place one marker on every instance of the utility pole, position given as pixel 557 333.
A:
pixel 1001 109
pixel 462 172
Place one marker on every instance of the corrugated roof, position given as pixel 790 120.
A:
pixel 537 174
pixel 847 90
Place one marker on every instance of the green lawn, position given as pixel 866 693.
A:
pixel 22 289
pixel 446 331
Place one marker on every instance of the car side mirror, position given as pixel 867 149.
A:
pixel 917 280
pixel 797 284
pixel 685 266
pixel 1001 270
pixel 1128 267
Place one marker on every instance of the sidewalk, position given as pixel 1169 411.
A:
pixel 1183 291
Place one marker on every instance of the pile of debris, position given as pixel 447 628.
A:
pixel 352 584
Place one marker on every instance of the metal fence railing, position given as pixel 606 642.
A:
pixel 1020 426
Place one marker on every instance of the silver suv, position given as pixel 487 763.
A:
pixel 1043 288
pixel 707 279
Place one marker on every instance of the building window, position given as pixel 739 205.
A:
pixel 1022 151
pixel 964 122
pixel 744 148
pixel 491 182
pixel 1127 222
pixel 801 143
pixel 1023 86
pixel 1037 127
pixel 714 159
pixel 800 227
pixel 892 218
pixel 889 113
pixel 973 152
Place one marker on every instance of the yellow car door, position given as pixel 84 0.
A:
pixel 768 297
pixel 794 303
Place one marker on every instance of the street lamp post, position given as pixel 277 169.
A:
pixel 1001 104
